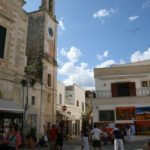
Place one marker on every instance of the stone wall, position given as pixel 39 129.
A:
pixel 15 20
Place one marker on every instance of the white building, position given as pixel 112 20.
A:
pixel 73 99
pixel 123 96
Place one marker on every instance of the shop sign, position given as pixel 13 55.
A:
pixel 125 113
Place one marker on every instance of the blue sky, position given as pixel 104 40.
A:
pixel 98 33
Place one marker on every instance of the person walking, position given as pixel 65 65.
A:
pixel 53 137
pixel 59 140
pixel 118 139
pixel 128 132
pixel 13 141
pixel 85 138
pixel 105 137
pixel 96 137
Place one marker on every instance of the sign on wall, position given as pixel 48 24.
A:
pixel 125 113
pixel 142 113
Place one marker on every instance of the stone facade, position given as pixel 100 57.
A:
pixel 42 65
pixel 13 35
pixel 15 20
pixel 28 62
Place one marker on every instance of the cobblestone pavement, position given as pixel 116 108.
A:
pixel 76 145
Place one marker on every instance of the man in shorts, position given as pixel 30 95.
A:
pixel 96 137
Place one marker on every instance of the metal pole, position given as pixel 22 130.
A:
pixel 41 106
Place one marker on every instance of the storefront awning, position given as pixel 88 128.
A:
pixel 10 106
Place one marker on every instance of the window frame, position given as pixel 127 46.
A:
pixel 4 42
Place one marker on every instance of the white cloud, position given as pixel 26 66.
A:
pixel 146 4
pixel 132 18
pixel 73 54
pixel 122 61
pixel 102 13
pixel 105 54
pixel 79 74
pixel 139 56
pixel 107 63
pixel 82 76
pixel 61 24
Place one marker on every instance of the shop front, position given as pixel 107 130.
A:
pixel 143 120
pixel 10 113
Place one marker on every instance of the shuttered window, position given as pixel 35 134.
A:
pixel 2 41
pixel 123 89
pixel 132 89
pixel 114 90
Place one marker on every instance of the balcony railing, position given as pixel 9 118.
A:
pixel 108 93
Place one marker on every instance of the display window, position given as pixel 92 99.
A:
pixel 125 113
pixel 143 113
pixel 143 127
pixel 9 118
pixel 106 115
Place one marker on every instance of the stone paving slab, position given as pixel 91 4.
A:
pixel 77 146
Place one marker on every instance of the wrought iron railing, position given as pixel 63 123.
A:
pixel 108 93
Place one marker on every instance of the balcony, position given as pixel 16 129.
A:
pixel 108 93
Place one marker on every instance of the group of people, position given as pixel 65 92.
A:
pixel 55 136
pixel 12 139
pixel 95 136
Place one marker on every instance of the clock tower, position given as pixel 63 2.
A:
pixel 48 5
pixel 41 54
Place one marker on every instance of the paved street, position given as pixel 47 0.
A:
pixel 76 145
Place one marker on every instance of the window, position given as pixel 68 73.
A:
pixel 48 98
pixel 49 80
pixel 106 115
pixel 144 83
pixel 33 100
pixel 82 106
pixel 123 89
pixel 77 103
pixel 2 41
pixel 60 98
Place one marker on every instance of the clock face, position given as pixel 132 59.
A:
pixel 50 31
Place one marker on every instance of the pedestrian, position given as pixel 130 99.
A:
pixel 118 139
pixel 128 132
pixel 13 138
pixel 4 141
pixel 85 138
pixel 82 142
pixel 146 146
pixel 59 139
pixel 96 137
pixel 105 137
pixel 52 137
